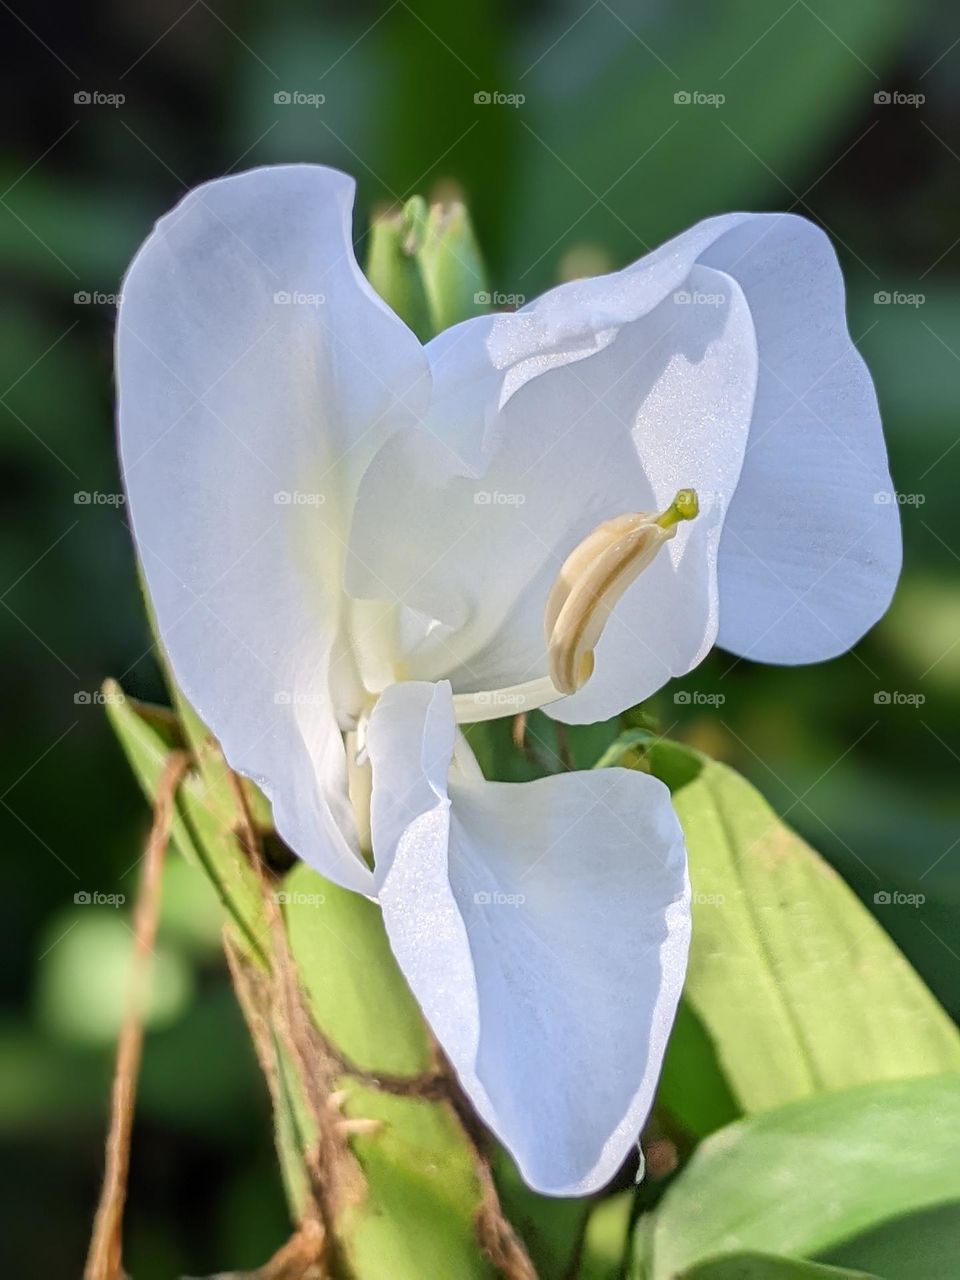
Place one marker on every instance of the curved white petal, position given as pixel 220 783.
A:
pixel 810 553
pixel 543 928
pixel 258 372
pixel 663 402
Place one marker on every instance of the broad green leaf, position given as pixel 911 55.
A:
pixel 803 1178
pixel 797 985
pixel 766 1266
pixel 920 1246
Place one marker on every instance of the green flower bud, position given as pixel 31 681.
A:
pixel 453 270
pixel 393 267
pixel 425 263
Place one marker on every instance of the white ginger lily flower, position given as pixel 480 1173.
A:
pixel 353 542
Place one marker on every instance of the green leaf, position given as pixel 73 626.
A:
pixel 797 985
pixel 147 735
pixel 626 749
pixel 419 1190
pixel 422 1192
pixel 357 994
pixel 920 1246
pixel 765 1266
pixel 806 1177
pixel 200 828
pixel 417 1217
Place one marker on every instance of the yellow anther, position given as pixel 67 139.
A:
pixel 594 577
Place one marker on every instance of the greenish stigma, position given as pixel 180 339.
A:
pixel 685 506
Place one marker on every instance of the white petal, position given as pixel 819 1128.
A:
pixel 689 430
pixel 543 928
pixel 479 534
pixel 257 374
pixel 811 547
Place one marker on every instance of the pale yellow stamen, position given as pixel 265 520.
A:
pixel 594 577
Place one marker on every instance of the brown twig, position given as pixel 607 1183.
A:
pixel 497 1237
pixel 333 1172
pixel 104 1260
pixel 301 1258
pixel 563 745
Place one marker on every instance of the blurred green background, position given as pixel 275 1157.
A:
pixel 112 111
